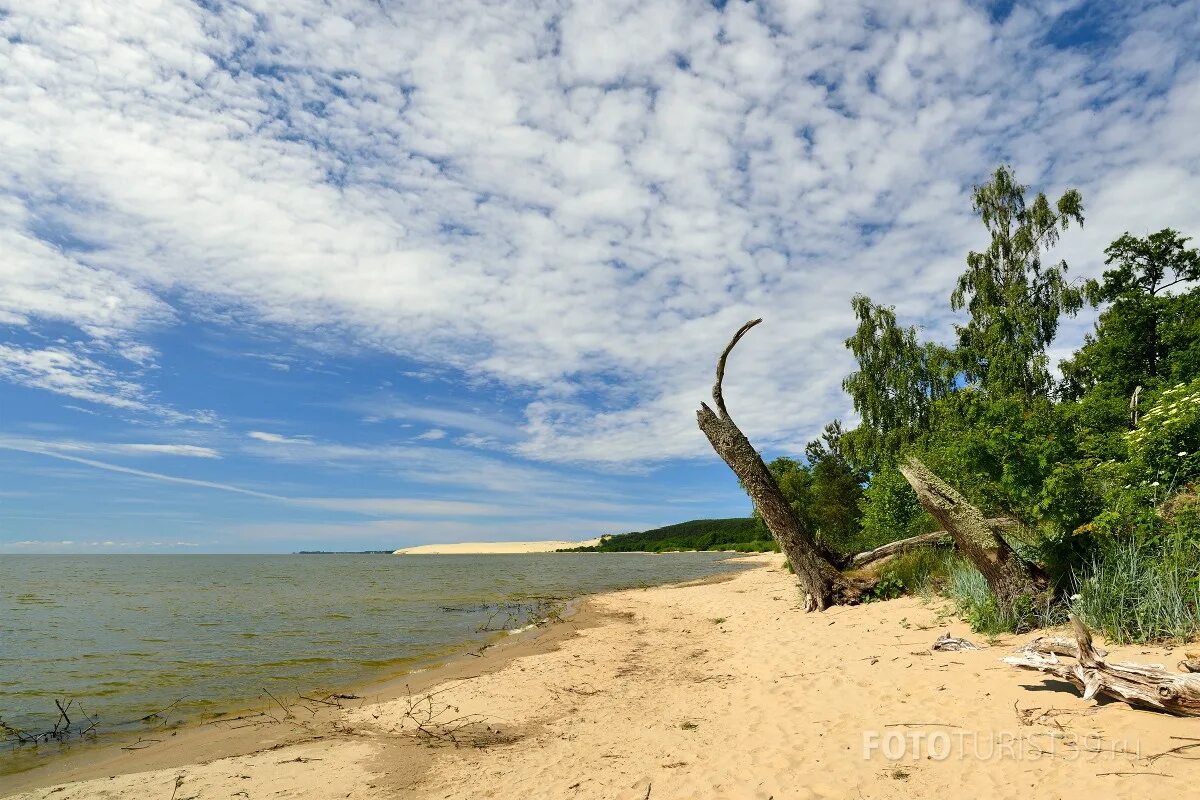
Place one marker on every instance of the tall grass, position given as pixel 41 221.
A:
pixel 923 571
pixel 1143 590
pixel 971 594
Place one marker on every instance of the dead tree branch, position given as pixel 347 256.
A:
pixel 820 580
pixel 1139 685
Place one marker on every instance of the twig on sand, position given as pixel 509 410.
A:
pixel 1174 750
pixel 144 743
pixel 1155 774
pixel 286 712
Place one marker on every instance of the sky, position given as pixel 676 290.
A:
pixel 364 274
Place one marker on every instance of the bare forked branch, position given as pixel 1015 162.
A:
pixel 718 397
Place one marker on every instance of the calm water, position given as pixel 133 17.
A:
pixel 125 636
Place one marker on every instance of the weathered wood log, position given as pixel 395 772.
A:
pixel 896 548
pixel 823 585
pixel 953 644
pixel 916 542
pixel 1059 646
pixel 1007 575
pixel 1146 686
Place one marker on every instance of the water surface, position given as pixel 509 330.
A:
pixel 125 636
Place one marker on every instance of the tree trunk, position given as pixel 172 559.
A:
pixel 822 583
pixel 1139 685
pixel 895 548
pixel 1008 576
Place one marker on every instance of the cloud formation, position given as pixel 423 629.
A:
pixel 576 201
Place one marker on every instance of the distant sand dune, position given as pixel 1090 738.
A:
pixel 472 548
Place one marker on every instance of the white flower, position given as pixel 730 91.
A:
pixel 1076 596
pixel 1154 483
pixel 1181 453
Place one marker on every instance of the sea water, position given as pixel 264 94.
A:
pixel 125 636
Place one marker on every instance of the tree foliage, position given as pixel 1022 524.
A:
pixel 1147 335
pixel 896 381
pixel 1013 298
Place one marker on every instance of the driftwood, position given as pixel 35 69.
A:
pixel 1007 575
pixel 1140 685
pixel 953 644
pixel 916 542
pixel 814 566
pixel 896 548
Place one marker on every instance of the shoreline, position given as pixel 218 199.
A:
pixel 206 737
pixel 717 688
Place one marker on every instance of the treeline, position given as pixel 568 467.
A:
pixel 1098 464
pixel 742 534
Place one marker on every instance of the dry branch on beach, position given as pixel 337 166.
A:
pixel 1146 686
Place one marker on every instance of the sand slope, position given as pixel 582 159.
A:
pixel 727 690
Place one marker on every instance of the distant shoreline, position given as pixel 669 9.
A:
pixel 491 548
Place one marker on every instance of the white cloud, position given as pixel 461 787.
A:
pixel 581 200
pixel 65 371
pixel 120 448
pixel 407 506
pixel 189 450
pixel 278 438
pixel 431 435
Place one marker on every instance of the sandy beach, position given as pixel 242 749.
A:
pixel 715 689
pixel 491 548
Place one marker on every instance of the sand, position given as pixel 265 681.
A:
pixel 489 548
pixel 716 690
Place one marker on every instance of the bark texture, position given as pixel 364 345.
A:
pixel 1139 685
pixel 823 585
pixel 916 542
pixel 975 537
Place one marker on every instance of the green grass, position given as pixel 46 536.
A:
pixel 1143 591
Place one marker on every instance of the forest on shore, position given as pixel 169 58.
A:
pixel 1089 472
pixel 740 534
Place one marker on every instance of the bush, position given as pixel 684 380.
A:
pixel 971 594
pixel 1163 448
pixel 890 510
pixel 1143 585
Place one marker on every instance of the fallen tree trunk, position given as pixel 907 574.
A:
pixel 915 542
pixel 823 585
pixel 1007 575
pixel 1139 685
pixel 896 548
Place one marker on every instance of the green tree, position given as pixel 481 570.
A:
pixel 896 379
pixel 836 491
pixel 890 510
pixel 1146 335
pixel 1014 300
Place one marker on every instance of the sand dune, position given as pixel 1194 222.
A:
pixel 720 690
pixel 474 548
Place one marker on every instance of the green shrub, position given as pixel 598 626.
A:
pixel 1143 585
pixel 921 571
pixel 1163 448
pixel 890 510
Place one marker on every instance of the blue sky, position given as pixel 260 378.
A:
pixel 355 275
